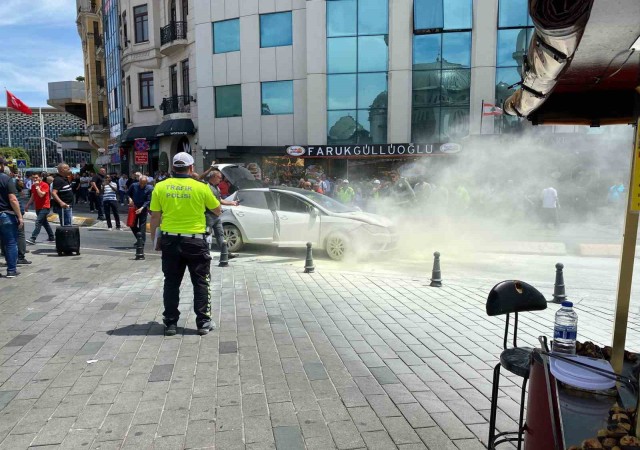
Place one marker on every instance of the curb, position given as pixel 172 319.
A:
pixel 77 220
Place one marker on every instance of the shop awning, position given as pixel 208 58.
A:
pixel 144 132
pixel 176 127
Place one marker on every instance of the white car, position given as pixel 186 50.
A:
pixel 291 217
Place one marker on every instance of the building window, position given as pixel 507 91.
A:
pixel 125 32
pixel 146 90
pixel 357 65
pixel 275 29
pixel 185 77
pixel 128 83
pixel 277 97
pixel 226 36
pixel 441 70
pixel 141 19
pixel 515 30
pixel 185 10
pixel 173 80
pixel 228 101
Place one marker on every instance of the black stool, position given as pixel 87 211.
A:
pixel 508 297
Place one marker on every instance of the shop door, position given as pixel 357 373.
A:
pixel 295 225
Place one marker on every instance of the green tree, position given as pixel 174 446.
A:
pixel 80 78
pixel 15 153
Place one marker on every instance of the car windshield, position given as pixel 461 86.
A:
pixel 327 202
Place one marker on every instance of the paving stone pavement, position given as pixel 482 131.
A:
pixel 317 361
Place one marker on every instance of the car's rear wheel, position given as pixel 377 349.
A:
pixel 336 247
pixel 233 237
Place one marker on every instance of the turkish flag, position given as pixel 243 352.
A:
pixel 17 104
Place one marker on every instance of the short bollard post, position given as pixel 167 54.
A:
pixel 139 246
pixel 436 275
pixel 559 294
pixel 308 263
pixel 224 255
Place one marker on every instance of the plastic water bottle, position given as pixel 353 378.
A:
pixel 565 330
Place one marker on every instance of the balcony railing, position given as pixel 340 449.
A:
pixel 176 104
pixel 88 6
pixel 173 32
pixel 98 40
pixel 101 82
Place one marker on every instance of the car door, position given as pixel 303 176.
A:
pixel 254 216
pixel 295 223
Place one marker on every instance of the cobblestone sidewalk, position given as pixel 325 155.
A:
pixel 320 361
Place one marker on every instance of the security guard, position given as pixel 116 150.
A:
pixel 179 204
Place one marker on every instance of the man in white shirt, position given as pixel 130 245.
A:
pixel 122 189
pixel 550 205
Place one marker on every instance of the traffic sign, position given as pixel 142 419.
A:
pixel 21 163
pixel 141 158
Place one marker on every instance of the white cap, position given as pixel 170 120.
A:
pixel 346 181
pixel 376 181
pixel 182 159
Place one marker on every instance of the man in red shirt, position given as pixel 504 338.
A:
pixel 41 197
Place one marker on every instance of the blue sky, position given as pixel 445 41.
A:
pixel 39 43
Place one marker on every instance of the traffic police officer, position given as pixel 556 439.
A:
pixel 179 203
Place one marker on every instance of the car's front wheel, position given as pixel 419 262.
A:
pixel 336 247
pixel 233 237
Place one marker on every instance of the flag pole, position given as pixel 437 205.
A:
pixel 481 115
pixel 7 113
pixel 43 148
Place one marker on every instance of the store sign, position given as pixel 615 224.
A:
pixel 372 150
pixel 141 158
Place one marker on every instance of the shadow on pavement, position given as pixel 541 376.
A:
pixel 150 328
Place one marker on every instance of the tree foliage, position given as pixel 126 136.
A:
pixel 15 153
pixel 80 78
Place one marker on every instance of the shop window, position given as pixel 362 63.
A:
pixel 276 29
pixel 226 36
pixel 277 98
pixel 228 101
pixel 253 199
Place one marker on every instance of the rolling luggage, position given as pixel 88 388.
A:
pixel 68 240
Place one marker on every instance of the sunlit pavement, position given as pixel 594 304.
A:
pixel 358 354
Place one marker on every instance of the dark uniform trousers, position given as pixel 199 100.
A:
pixel 179 253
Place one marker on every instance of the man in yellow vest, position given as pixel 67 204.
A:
pixel 177 207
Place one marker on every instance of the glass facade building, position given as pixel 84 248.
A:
pixel 441 82
pixel 514 34
pixel 113 74
pixel 357 71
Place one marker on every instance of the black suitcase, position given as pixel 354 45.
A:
pixel 68 240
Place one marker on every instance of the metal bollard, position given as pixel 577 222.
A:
pixel 139 247
pixel 309 267
pixel 224 255
pixel 436 275
pixel 559 294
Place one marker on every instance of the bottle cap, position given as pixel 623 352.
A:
pixel 567 304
